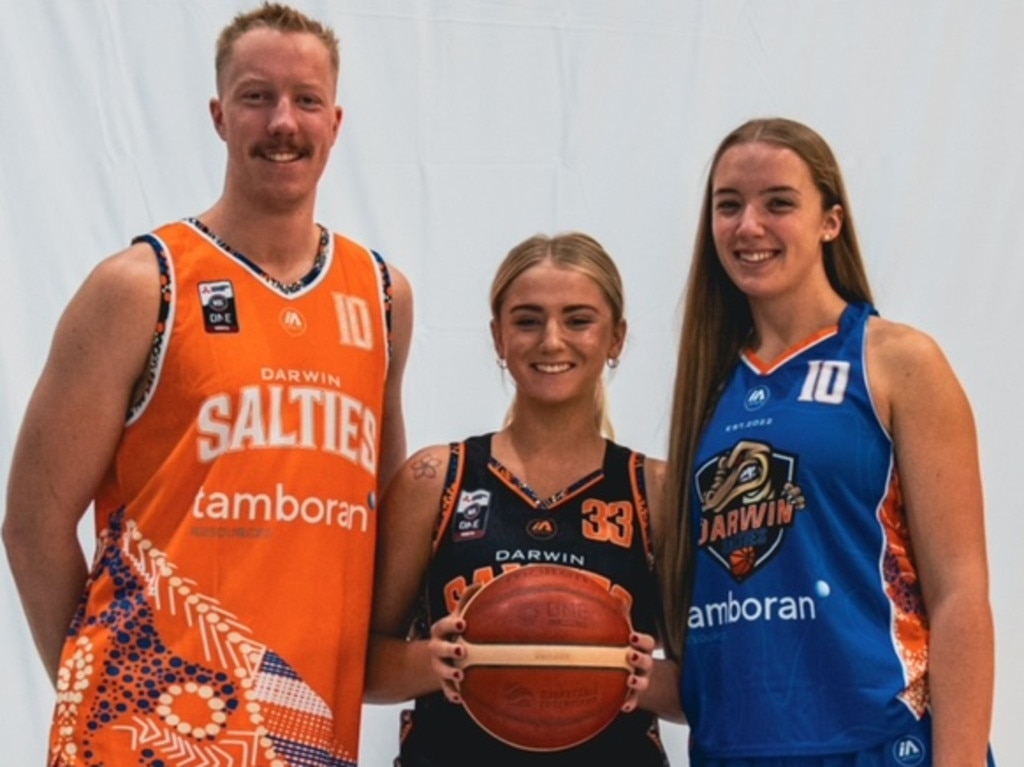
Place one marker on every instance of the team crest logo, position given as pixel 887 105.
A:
pixel 471 514
pixel 542 529
pixel 218 302
pixel 749 499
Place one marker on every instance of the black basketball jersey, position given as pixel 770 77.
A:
pixel 491 522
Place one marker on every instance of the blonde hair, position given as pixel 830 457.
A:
pixel 573 250
pixel 278 17
pixel 716 324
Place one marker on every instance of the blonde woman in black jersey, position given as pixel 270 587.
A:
pixel 557 324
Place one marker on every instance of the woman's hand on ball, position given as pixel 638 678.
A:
pixel 446 650
pixel 640 660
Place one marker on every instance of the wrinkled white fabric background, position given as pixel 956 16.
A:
pixel 472 124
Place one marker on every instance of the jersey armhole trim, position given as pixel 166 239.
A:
pixel 161 332
pixel 865 373
pixel 386 298
pixel 643 512
pixel 450 493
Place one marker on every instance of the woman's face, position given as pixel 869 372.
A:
pixel 769 222
pixel 556 331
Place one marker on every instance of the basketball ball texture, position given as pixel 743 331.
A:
pixel 545 665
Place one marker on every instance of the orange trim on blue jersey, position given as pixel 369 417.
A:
pixel 902 586
pixel 764 368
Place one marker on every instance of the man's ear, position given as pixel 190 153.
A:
pixel 339 115
pixel 217 115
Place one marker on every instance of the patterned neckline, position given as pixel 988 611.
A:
pixel 286 288
pixel 531 496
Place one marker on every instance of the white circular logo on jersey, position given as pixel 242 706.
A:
pixel 756 397
pixel 908 751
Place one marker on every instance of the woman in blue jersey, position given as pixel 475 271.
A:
pixel 825 564
pixel 460 514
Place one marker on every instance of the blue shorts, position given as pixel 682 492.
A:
pixel 911 749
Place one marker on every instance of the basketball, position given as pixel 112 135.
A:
pixel 545 664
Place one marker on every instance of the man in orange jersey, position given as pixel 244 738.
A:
pixel 227 393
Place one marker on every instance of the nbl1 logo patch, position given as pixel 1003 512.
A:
pixel 471 515
pixel 218 301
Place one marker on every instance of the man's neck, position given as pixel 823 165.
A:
pixel 283 244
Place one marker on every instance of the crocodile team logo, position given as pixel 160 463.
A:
pixel 749 499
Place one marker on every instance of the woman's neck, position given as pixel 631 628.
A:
pixel 781 325
pixel 549 454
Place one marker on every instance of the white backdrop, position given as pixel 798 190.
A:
pixel 472 124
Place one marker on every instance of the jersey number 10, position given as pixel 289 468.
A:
pixel 826 382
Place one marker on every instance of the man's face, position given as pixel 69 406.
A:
pixel 276 111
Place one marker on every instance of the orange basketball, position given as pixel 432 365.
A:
pixel 545 665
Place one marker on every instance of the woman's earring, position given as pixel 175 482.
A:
pixel 613 362
pixel 502 363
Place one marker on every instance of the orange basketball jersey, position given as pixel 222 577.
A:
pixel 225 620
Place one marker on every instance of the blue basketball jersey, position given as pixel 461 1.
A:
pixel 807 631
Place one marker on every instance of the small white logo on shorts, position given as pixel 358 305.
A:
pixel 908 751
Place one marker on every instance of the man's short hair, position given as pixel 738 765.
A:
pixel 281 18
